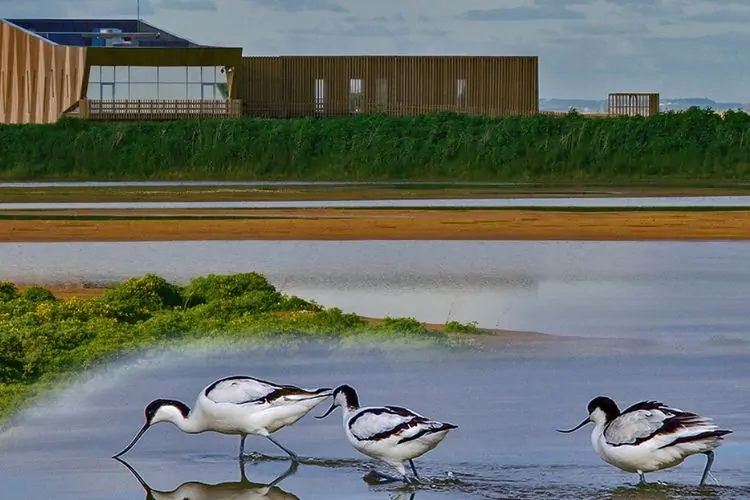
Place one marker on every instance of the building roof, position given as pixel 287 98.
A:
pixel 82 33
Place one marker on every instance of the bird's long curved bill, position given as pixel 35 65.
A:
pixel 588 420
pixel 333 407
pixel 135 440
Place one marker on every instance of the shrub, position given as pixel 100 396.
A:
pixel 406 325
pixel 220 287
pixel 137 299
pixel 456 327
pixel 38 294
pixel 8 291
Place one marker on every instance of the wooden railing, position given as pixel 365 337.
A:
pixel 168 109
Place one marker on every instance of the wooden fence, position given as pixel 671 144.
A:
pixel 159 109
pixel 290 86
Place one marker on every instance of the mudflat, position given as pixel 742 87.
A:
pixel 383 224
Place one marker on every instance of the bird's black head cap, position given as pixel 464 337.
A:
pixel 605 404
pixel 154 406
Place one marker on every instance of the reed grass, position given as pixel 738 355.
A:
pixel 694 144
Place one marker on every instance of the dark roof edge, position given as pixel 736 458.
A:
pixel 156 28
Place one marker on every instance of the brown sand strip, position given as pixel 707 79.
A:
pixel 401 225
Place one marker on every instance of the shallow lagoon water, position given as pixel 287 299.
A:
pixel 507 407
pixel 653 320
pixel 615 201
pixel 693 294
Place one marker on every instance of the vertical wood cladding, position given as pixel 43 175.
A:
pixel 38 79
pixel 289 86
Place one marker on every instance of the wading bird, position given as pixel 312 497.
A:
pixel 236 405
pixel 392 434
pixel 649 436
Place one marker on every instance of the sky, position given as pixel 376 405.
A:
pixel 586 48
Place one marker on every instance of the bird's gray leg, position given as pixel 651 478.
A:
pixel 242 445
pixel 413 469
pixel 709 463
pixel 289 452
pixel 643 477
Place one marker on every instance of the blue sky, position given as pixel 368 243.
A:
pixel 587 48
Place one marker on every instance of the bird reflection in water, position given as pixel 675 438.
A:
pixel 243 489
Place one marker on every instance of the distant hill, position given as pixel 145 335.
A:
pixel 666 104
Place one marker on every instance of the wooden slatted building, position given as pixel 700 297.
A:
pixel 110 69
pixel 290 86
pixel 131 70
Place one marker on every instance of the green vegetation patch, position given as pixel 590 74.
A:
pixel 691 145
pixel 45 340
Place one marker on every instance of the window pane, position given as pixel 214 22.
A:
pixel 194 91
pixel 94 91
pixel 95 74
pixel 208 74
pixel 122 91
pixel 172 90
pixel 194 74
pixel 221 91
pixel 108 73
pixel 145 91
pixel 381 92
pixel 108 91
pixel 221 74
pixel 143 74
pixel 169 74
pixel 121 74
pixel 210 92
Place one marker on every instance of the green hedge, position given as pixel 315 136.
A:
pixel 695 144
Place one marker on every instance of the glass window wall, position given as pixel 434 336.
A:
pixel 157 83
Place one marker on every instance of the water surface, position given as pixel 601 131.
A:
pixel 625 202
pixel 506 407
pixel 692 295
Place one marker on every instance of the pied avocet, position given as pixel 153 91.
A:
pixel 649 436
pixel 392 434
pixel 236 405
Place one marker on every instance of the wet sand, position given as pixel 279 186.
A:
pixel 390 224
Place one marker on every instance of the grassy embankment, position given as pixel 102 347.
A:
pixel 692 145
pixel 45 340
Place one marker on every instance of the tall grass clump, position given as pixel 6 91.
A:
pixel 44 338
pixel 694 144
